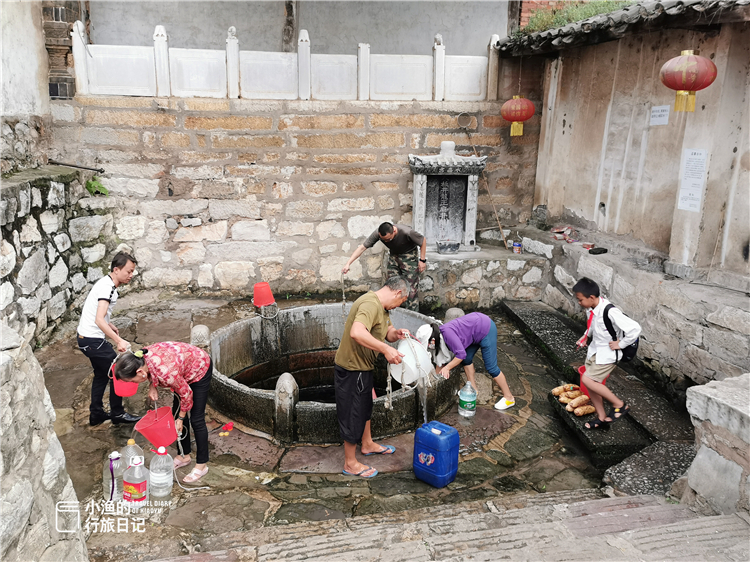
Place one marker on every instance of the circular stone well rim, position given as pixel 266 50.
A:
pixel 253 341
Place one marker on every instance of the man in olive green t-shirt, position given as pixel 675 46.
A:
pixel 407 257
pixel 367 328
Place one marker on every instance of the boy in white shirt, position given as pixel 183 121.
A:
pixel 603 352
pixel 94 328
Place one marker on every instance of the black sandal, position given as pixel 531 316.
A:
pixel 619 413
pixel 596 424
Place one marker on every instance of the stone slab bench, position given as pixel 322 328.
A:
pixel 607 446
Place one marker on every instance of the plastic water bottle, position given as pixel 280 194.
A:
pixel 135 484
pixel 114 468
pixel 467 401
pixel 160 474
pixel 130 451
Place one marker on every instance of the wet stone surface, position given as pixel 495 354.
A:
pixel 217 514
pixel 254 482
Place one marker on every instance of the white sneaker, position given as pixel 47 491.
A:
pixel 503 404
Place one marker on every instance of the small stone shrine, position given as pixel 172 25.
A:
pixel 445 198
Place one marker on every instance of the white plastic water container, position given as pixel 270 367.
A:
pixel 467 401
pixel 160 474
pixel 135 485
pixel 416 359
pixel 114 467
pixel 129 451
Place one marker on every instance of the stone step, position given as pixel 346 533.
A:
pixel 501 535
pixel 301 531
pixel 607 523
pixel 652 470
pixel 556 335
pixel 721 537
pixel 538 530
pixel 653 537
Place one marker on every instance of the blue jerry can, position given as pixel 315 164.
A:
pixel 436 453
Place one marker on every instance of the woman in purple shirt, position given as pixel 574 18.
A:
pixel 463 336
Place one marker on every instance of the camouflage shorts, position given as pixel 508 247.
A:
pixel 407 266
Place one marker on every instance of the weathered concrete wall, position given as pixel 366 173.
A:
pixel 220 194
pixel 601 165
pixel 48 255
pixel 32 463
pixel 24 60
pixel 25 99
pixel 719 477
pixel 335 27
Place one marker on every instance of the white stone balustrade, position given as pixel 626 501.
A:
pixel 233 64
pixel 363 75
pixel 161 60
pixel 162 71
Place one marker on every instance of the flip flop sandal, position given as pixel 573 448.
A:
pixel 619 413
pixel 387 450
pixel 361 472
pixel 195 475
pixel 180 464
pixel 597 423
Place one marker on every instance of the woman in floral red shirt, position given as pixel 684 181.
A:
pixel 187 371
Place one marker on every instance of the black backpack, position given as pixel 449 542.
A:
pixel 628 353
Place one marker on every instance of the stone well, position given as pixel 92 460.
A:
pixel 251 355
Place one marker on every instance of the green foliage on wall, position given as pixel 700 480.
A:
pixel 543 19
pixel 94 186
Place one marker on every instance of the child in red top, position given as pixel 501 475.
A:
pixel 187 371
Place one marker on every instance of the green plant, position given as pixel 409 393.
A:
pixel 543 19
pixel 94 186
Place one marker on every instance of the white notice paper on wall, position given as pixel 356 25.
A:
pixel 660 115
pixel 692 179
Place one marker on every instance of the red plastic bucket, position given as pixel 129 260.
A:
pixel 262 295
pixel 158 427
pixel 123 388
pixel 582 371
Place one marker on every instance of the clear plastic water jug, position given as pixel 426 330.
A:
pixel 131 450
pixel 135 484
pixel 467 401
pixel 114 468
pixel 160 474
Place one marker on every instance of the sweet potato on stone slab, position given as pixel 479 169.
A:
pixel 557 391
pixel 577 402
pixel 584 410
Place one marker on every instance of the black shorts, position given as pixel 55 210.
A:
pixel 353 402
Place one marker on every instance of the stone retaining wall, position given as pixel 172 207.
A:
pixel 32 465
pixel 24 142
pixel 719 477
pixel 482 282
pixel 220 194
pixel 48 255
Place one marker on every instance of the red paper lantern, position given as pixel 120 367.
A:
pixel 687 74
pixel 517 110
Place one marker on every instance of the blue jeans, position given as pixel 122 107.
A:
pixel 489 351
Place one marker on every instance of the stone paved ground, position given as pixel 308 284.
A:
pixel 256 484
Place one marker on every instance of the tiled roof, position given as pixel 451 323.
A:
pixel 643 16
